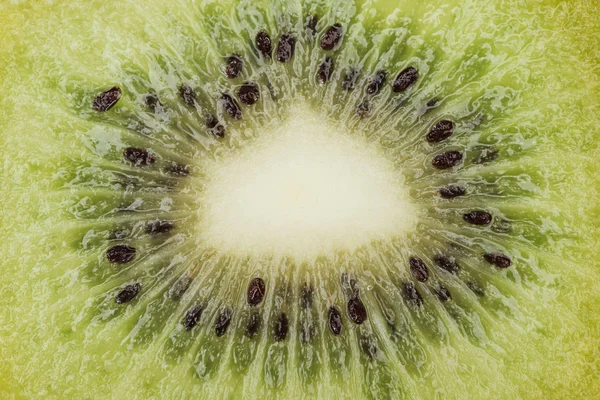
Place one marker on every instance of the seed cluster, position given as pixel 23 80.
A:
pixel 248 94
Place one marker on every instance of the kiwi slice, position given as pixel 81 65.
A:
pixel 299 199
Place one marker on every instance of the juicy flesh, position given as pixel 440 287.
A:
pixel 521 78
pixel 304 190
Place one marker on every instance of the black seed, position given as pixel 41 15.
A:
pixel 432 103
pixel 281 327
pixel 248 93
pixel 234 66
pixel 446 263
pixel 486 154
pixel 452 191
pixel 356 310
pixel 215 127
pixel 285 47
pixel 405 79
pixel 120 254
pixel 478 217
pixel 441 130
pixel 325 70
pixel 447 160
pixel 138 156
pixel 158 227
pixel 475 288
pixel 350 79
pixel 231 106
pixel 263 43
pixel 223 321
pixel 364 109
pixel 418 269
pixel 443 293
pixel 307 297
pixel 498 259
pixel 335 320
pixel 310 24
pixel 332 36
pixel 152 101
pixel 412 295
pixel 107 99
pixel 128 293
pixel 187 94
pixel 180 287
pixel 192 317
pixel 376 83
pixel 178 169
pixel 256 291
pixel 253 324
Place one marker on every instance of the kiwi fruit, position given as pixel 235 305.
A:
pixel 299 199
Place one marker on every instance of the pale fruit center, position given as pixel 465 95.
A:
pixel 303 190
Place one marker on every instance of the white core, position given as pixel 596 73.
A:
pixel 304 190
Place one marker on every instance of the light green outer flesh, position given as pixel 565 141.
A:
pixel 572 49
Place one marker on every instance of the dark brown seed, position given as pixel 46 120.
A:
pixel 120 254
pixel 498 259
pixel 447 160
pixel 158 227
pixel 324 71
pixel 376 83
pixel 253 324
pixel 443 293
pixel 307 297
pixel 405 79
pixel 446 263
pixel 231 106
pixel 356 310
pixel 192 317
pixel 310 24
pixel 363 110
pixel 180 287
pixel 285 47
pixel 256 291
pixel 178 169
pixel 263 43
pixel 441 130
pixel 281 327
pixel 248 93
pixel 223 321
pixel 234 66
pixel 418 269
pixel 215 127
pixel 478 217
pixel 433 103
pixel 475 288
pixel 335 320
pixel 152 101
pixel 187 94
pixel 138 156
pixel 128 293
pixel 350 79
pixel 107 99
pixel 452 191
pixel 412 295
pixel 332 36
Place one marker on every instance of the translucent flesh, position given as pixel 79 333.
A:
pixel 531 72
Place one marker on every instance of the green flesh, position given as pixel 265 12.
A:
pixel 522 79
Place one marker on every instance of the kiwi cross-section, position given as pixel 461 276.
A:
pixel 299 199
